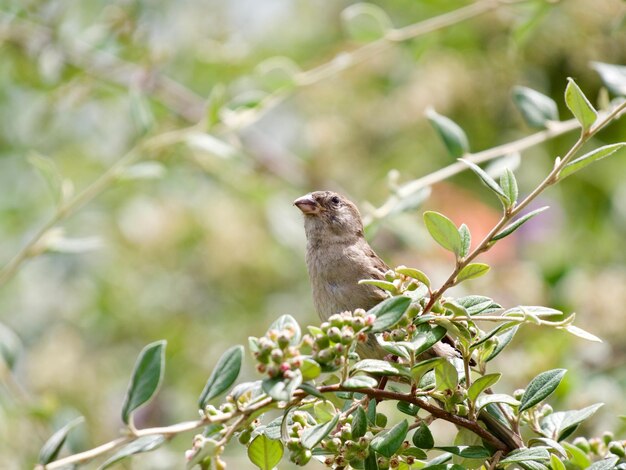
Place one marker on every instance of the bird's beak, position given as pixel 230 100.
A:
pixel 307 205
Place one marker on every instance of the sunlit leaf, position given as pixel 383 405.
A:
pixel 314 435
pixel 560 424
pixel 522 455
pixel 509 229
pixel 287 322
pixel 414 273
pixel 593 156
pixel 487 399
pixel 264 452
pixel 142 444
pixel 389 312
pixel 443 231
pixel 508 183
pixel 360 381
pixel 472 271
pixel 579 105
pixel 466 240
pixel 488 181
pixel 582 333
pixel 481 383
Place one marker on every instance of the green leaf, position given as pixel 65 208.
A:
pixel 472 271
pixel 407 408
pixel 281 389
pixel 388 442
pixel 223 376
pixel 475 304
pixel 467 452
pixel 502 341
pixel 426 337
pixel 418 370
pixel 536 108
pixel 380 367
pixel 276 74
pixel 287 322
pixel 142 444
pixel 389 312
pixel 560 424
pixel 541 387
pixel 415 274
pixel 423 438
pixel 522 455
pixel 394 347
pixel 324 411
pixel 481 384
pixel 359 423
pixel 574 330
pixel 384 285
pixel 466 240
pixel 371 462
pixel 264 452
pixel 10 346
pixel 50 450
pixel 488 181
pixel 314 435
pixel 608 463
pixel 446 375
pixel 576 455
pixel 216 101
pixel 508 183
pixel 593 156
pixel 509 229
pixel 443 231
pixel 145 379
pixel 360 381
pixel 487 399
pixel 413 452
pixel 310 369
pixel 48 170
pixel 143 171
pixel 579 105
pixel 453 136
pixel 365 22
pixel 613 77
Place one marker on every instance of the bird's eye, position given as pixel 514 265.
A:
pixel 335 200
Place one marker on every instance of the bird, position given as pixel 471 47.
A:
pixel 337 257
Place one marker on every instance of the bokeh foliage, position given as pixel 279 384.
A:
pixel 199 244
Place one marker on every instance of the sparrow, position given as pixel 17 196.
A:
pixel 337 257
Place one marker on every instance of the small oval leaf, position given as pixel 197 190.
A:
pixel 53 445
pixel 223 376
pixel 443 231
pixel 415 274
pixel 142 444
pixel 423 438
pixel 472 271
pixel 145 379
pixel 389 312
pixel 488 181
pixel 593 156
pixel 314 435
pixel 388 442
pixel 482 383
pixel 360 381
pixel 541 387
pixel 509 229
pixel 536 108
pixel 359 423
pixel 264 452
pixel 579 105
pixel 453 136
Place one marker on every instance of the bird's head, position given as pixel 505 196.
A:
pixel 331 215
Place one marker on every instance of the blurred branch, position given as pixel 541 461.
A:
pixel 106 66
pixel 412 187
pixel 67 208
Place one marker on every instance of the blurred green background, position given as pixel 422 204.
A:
pixel 201 245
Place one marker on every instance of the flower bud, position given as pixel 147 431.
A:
pixel 582 444
pixel 277 356
pixel 334 334
pixel 325 326
pixel 607 437
pixel 518 394
pixel 322 341
pixel 347 336
pixel 398 335
pixel 617 448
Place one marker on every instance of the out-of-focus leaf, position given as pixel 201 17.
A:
pixel 472 271
pixel 488 181
pixel 143 171
pixel 450 132
pixel 287 322
pixel 314 435
pixel 593 156
pixel 582 333
pixel 607 463
pixel 365 22
pixel 443 231
pixel 212 145
pixel 264 452
pixel 388 442
pixel 509 229
pixel 536 108
pixel 216 100
pixel 613 76
pixel 423 438
pixel 277 73
pixel 143 444
pixel 209 449
pixel 541 387
pixel 50 173
pixel 140 111
pixel 63 244
pixel 223 376
pixel 145 379
pixel 560 424
pixel 360 381
pixel 388 312
pixel 10 346
pixel 53 446
pixel 579 105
